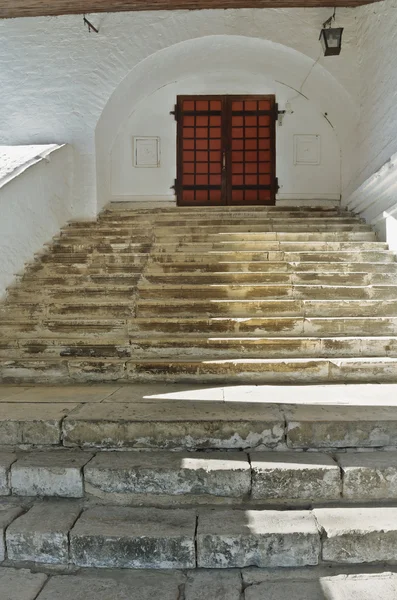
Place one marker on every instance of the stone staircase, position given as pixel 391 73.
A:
pixel 258 295
pixel 217 491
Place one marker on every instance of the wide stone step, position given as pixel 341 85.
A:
pixel 247 584
pixel 62 370
pixel 241 220
pixel 263 371
pixel 259 246
pixel 61 533
pixel 162 346
pixel 214 477
pixel 74 328
pixel 123 208
pixel 238 347
pixel 276 326
pixel 247 212
pixel 229 277
pixel 100 246
pixel 40 279
pixel 178 478
pixel 111 257
pixel 53 293
pixel 268 308
pixel 136 233
pixel 281 236
pixel 255 291
pixel 384 256
pixel 267 267
pixel 287 226
pixel 197 417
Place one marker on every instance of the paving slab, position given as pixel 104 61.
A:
pixel 295 590
pixel 360 587
pixel 225 474
pixel 33 424
pixel 341 427
pixel 294 476
pixel 369 475
pixel 174 424
pixel 358 534
pixel 138 585
pixel 63 394
pixel 49 473
pixel 123 537
pixel 333 395
pixel 41 535
pixel 6 460
pixel 8 391
pixel 8 512
pixel 156 392
pixel 20 584
pixel 267 538
pixel 213 585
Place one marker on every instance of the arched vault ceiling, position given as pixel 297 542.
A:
pixel 34 8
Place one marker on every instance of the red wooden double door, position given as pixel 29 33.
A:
pixel 226 150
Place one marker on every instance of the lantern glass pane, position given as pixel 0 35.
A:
pixel 333 39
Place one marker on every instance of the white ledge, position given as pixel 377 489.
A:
pixel 14 160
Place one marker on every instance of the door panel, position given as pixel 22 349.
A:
pixel 251 160
pixel 226 150
pixel 200 147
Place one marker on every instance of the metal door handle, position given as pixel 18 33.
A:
pixel 224 161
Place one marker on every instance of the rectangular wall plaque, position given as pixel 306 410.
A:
pixel 307 150
pixel 146 152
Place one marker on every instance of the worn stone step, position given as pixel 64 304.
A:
pixel 39 279
pixel 123 208
pixel 244 219
pixel 50 293
pixel 238 347
pixel 87 270
pixel 256 291
pixel 259 246
pixel 229 277
pixel 278 326
pixel 270 308
pixel 281 236
pixel 384 256
pixel 91 309
pixel 263 371
pixel 98 247
pixel 133 232
pixel 74 258
pixel 228 584
pixel 269 267
pixel 248 212
pixel 65 327
pixel 160 477
pixel 126 537
pixel 92 346
pixel 180 417
pixel 178 478
pixel 285 226
pixel 203 346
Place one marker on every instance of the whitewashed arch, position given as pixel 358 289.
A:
pixel 216 54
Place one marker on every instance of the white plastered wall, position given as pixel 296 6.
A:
pixel 373 189
pixel 35 202
pixel 57 79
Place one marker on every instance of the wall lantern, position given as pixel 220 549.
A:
pixel 331 38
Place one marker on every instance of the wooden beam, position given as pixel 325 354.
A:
pixel 36 8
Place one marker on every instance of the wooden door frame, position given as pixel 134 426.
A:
pixel 226 142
